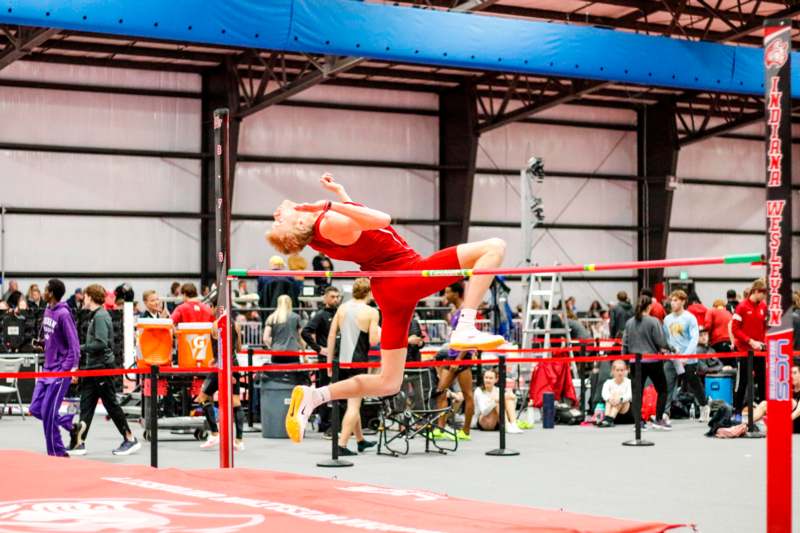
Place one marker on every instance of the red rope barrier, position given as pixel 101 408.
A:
pixel 409 364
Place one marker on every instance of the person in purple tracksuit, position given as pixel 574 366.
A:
pixel 61 354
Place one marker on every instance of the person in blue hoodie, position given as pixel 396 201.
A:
pixel 61 354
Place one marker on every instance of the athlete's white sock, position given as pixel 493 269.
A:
pixel 466 319
pixel 320 396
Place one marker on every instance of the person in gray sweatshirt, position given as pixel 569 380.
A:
pixel 98 353
pixel 643 335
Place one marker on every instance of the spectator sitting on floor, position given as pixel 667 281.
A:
pixel 617 395
pixel 487 404
pixel 706 366
pixel 760 410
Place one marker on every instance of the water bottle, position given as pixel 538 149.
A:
pixel 692 412
pixel 548 410
pixel 599 412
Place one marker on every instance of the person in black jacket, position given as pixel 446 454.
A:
pixel 98 353
pixel 315 335
pixel 620 314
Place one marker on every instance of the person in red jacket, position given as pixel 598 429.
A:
pixel 717 322
pixel 697 308
pixel 656 309
pixel 749 329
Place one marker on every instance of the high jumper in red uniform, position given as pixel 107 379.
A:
pixel 349 231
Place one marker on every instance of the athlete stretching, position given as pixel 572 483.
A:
pixel 349 231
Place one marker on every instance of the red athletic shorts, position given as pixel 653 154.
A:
pixel 398 297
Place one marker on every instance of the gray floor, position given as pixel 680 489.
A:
pixel 717 484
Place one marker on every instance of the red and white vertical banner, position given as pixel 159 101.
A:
pixel 222 192
pixel 777 64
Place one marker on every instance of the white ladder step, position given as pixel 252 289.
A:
pixel 557 331
pixel 541 292
pixel 539 312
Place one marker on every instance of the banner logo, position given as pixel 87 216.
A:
pixel 777 53
pixel 198 343
pixel 120 514
pixel 779 368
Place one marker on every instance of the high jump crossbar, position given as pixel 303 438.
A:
pixel 752 258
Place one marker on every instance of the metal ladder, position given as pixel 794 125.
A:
pixel 547 299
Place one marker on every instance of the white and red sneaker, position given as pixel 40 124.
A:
pixel 211 441
pixel 471 339
pixel 300 409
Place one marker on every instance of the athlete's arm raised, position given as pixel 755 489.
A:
pixel 330 184
pixel 343 222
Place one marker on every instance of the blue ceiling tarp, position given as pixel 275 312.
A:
pixel 404 34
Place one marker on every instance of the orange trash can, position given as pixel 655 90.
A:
pixel 195 349
pixel 154 336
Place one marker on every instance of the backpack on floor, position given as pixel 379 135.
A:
pixel 568 416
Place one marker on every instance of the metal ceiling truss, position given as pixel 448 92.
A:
pixel 535 96
pixel 265 81
pixel 695 116
pixel 20 41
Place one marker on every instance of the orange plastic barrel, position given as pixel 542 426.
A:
pixel 195 348
pixel 155 342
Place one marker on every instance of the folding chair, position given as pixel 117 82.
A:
pixel 9 385
pixel 408 414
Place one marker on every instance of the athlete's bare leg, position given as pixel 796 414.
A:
pixel 351 423
pixel 386 383
pixel 480 254
pixel 465 382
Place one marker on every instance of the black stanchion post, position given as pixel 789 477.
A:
pixel 637 406
pixel 334 461
pixel 752 432
pixel 250 388
pixel 582 373
pixel 502 450
pixel 153 416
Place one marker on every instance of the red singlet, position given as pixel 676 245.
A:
pixel 384 249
